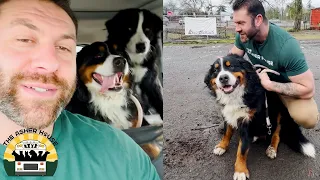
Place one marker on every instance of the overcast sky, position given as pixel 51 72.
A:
pixel 315 3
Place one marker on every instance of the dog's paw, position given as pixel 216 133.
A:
pixel 271 152
pixel 240 176
pixel 218 151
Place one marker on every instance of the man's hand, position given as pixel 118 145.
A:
pixel 265 80
pixel 300 87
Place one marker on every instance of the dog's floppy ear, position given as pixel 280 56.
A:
pixel 208 78
pixel 82 92
pixel 157 22
pixel 109 24
pixel 245 64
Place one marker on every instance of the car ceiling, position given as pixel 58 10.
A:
pixel 93 14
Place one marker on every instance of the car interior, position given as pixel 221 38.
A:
pixel 92 16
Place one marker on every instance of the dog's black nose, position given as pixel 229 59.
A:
pixel 119 62
pixel 224 78
pixel 140 47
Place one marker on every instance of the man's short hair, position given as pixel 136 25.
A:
pixel 254 7
pixel 63 4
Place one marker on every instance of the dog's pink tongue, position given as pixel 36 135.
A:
pixel 109 82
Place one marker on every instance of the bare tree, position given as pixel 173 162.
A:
pixel 195 6
pixel 298 15
pixel 170 6
pixel 309 5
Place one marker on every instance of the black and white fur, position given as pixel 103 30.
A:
pixel 247 94
pixel 114 106
pixel 137 32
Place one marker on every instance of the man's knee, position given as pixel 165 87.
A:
pixel 303 111
pixel 306 120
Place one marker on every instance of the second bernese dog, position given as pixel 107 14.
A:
pixel 236 86
pixel 137 32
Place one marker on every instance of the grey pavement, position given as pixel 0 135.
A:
pixel 188 105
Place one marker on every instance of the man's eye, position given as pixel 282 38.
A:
pixel 63 48
pixel 25 40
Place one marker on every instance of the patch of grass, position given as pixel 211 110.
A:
pixel 200 42
pixel 303 35
pixel 180 39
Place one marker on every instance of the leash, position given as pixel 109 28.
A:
pixel 269 126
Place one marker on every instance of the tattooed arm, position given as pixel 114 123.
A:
pixel 301 86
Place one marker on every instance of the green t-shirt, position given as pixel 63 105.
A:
pixel 280 52
pixel 92 150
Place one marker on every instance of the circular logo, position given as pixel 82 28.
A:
pixel 30 154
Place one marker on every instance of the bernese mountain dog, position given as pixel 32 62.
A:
pixel 102 88
pixel 137 32
pixel 236 86
pixel 103 91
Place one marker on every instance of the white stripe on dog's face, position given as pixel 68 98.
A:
pixel 232 78
pixel 139 37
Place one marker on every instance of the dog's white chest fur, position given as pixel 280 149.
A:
pixel 111 107
pixel 138 72
pixel 234 108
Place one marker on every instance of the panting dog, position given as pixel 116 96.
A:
pixel 103 91
pixel 236 86
pixel 102 88
pixel 137 32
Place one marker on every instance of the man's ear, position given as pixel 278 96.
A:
pixel 258 20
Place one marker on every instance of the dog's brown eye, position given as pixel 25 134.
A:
pixel 228 63
pixel 129 29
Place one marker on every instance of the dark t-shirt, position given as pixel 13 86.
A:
pixel 280 52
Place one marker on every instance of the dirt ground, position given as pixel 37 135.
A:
pixel 189 106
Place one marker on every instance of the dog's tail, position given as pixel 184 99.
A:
pixel 292 135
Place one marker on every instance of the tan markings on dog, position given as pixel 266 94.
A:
pixel 86 73
pixel 126 81
pixel 213 83
pixel 115 46
pixel 102 48
pixel 151 149
pixel 239 75
pixel 276 135
pixel 252 112
pixel 135 123
pixel 228 63
pixel 216 65
pixel 241 161
pixel 224 143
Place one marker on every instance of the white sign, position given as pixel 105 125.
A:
pixel 200 26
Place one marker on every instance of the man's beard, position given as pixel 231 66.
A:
pixel 253 31
pixel 30 113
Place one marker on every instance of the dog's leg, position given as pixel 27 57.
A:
pixel 152 88
pixel 241 170
pixel 152 150
pixel 224 143
pixel 273 147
